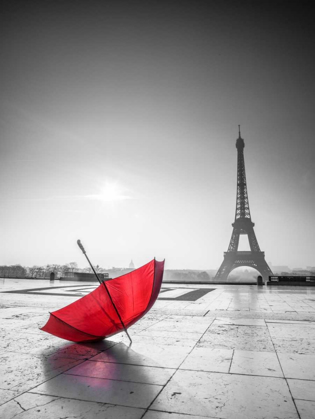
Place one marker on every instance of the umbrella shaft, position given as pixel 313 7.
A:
pixel 109 296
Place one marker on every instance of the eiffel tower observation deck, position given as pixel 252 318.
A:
pixel 242 225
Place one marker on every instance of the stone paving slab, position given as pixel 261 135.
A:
pixel 306 409
pixel 6 395
pixel 158 340
pixel 302 389
pixel 297 345
pixel 247 338
pixel 21 372
pixel 190 326
pixel 205 359
pixel 226 396
pixel 235 352
pixel 170 335
pixel 129 394
pixel 256 363
pixel 298 366
pixel 146 354
pixel 123 372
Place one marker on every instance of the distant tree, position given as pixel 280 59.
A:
pixel 203 276
pixel 18 271
pixel 37 271
pixel 87 270
pixel 101 270
pixel 64 269
pixel 3 271
pixel 72 266
pixel 13 271
pixel 32 271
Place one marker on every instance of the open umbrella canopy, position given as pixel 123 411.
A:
pixel 94 317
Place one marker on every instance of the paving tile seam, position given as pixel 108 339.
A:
pixel 158 321
pixel 114 379
pixel 183 414
pixel 41 357
pixel 285 378
pixel 10 400
pixel 84 400
pixel 61 397
pixel 54 352
pixel 256 375
pixel 283 322
pixel 231 361
pixel 20 405
pixel 301 379
pixel 239 374
pixel 293 401
pixel 176 333
pixel 163 387
pixel 50 378
pixel 126 363
pixel 240 325
pixel 21 394
pixel 55 398
pixel 304 400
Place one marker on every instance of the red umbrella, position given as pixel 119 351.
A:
pixel 111 308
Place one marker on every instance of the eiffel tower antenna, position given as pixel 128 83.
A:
pixel 243 224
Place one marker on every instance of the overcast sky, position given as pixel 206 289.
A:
pixel 119 122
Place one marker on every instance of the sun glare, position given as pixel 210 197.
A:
pixel 112 192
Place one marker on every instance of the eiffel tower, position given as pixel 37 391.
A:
pixel 243 224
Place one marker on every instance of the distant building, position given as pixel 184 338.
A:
pixel 301 271
pixel 131 265
pixel 83 276
pixel 280 268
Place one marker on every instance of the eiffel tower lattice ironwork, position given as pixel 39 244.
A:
pixel 243 224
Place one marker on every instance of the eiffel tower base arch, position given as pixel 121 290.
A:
pixel 237 259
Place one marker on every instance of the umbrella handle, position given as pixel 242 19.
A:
pixel 81 246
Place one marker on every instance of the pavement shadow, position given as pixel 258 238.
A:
pixel 106 381
pixel 80 351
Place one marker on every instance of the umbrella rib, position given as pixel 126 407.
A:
pixel 104 311
pixel 154 280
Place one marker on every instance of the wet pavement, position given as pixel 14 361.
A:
pixel 203 351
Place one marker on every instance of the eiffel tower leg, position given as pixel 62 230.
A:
pixel 224 270
pixel 253 243
pixel 263 268
pixel 235 238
